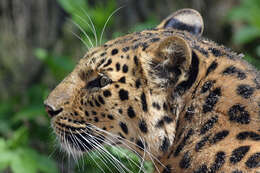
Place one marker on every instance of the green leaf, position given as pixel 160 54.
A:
pixel 19 138
pixel 24 163
pixel 246 35
pixel 6 158
pixel 29 113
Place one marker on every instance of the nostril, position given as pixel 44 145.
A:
pixel 52 112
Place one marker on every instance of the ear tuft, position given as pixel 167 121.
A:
pixel 186 20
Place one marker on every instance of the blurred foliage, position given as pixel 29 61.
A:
pixel 247 33
pixel 24 126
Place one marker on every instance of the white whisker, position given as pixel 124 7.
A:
pixel 103 30
pixel 93 26
pixel 84 32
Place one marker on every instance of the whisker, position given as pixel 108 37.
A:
pixel 94 146
pixel 83 41
pixel 130 159
pixel 86 147
pixel 103 30
pixel 84 32
pixel 93 26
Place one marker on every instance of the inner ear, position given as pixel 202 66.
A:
pixel 172 60
pixel 186 20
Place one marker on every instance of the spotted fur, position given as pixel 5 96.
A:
pixel 187 101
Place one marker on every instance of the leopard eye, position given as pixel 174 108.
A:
pixel 104 80
pixel 99 82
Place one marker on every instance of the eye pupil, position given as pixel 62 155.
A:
pixel 104 81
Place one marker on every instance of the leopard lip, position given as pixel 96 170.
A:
pixel 83 141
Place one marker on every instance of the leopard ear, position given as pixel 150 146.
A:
pixel 186 20
pixel 172 61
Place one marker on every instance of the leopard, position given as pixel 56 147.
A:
pixel 178 99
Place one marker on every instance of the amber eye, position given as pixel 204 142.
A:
pixel 99 82
pixel 104 80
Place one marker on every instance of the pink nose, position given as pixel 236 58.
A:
pixel 51 112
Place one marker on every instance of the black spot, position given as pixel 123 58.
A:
pixel 189 113
pixel 143 126
pixel 167 119
pixel 237 171
pixel 107 93
pixel 125 49
pixel 202 169
pixel 91 104
pixel 165 107
pixel 131 112
pixel 201 143
pixel 117 66
pixel 159 124
pixel 211 100
pixel 212 67
pixel 183 142
pixel 94 113
pixel 125 68
pixel 122 79
pixel 156 105
pixel 120 111
pixel 165 144
pixel 208 125
pixel 238 154
pixel 140 144
pixel 247 134
pixel 109 61
pixel 96 119
pixel 193 73
pixel 154 39
pixel 124 127
pixel 145 46
pixel 215 52
pixel 207 85
pixel 86 113
pixel 219 161
pixel 123 94
pixel 101 100
pixel 143 101
pixel 101 62
pixel 185 161
pixel 136 60
pixel 114 51
pixel 111 117
pixel 245 91
pixel 238 114
pixel 253 161
pixel 97 104
pixel 202 51
pixel 103 54
pixel 231 70
pixel 219 136
pixel 167 169
pixel 137 83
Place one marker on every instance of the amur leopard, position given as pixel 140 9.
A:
pixel 193 106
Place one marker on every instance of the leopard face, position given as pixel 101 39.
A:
pixel 193 105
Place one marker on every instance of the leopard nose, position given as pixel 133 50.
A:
pixel 52 112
